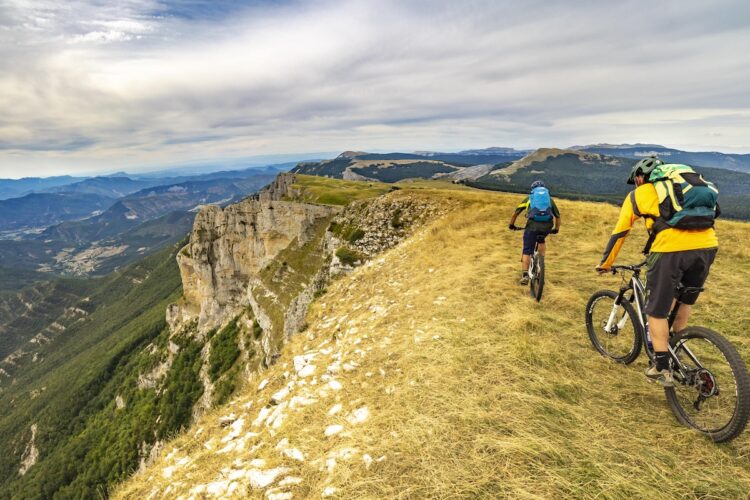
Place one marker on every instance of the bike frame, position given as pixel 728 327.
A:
pixel 533 257
pixel 532 261
pixel 638 298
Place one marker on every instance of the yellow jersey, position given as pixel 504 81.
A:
pixel 669 240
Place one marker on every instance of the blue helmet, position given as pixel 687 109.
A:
pixel 537 184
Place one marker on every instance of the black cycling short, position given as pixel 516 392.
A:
pixel 667 270
pixel 531 238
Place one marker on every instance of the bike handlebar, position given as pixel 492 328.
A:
pixel 631 267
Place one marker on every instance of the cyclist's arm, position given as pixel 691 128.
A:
pixel 524 205
pixel 622 228
pixel 556 215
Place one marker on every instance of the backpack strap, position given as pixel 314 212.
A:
pixel 652 233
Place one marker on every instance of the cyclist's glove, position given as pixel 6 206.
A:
pixel 512 227
pixel 554 231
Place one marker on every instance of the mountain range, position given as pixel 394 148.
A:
pixel 713 159
pixel 572 173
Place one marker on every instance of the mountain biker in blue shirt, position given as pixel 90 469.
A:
pixel 536 231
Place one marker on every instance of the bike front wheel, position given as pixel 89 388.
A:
pixel 536 283
pixel 614 329
pixel 712 387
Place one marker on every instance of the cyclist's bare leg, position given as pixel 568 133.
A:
pixel 525 260
pixel 659 330
pixel 681 320
pixel 542 248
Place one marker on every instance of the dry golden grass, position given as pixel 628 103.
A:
pixel 475 390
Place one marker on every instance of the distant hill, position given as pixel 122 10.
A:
pixel 595 176
pixel 112 187
pixel 151 203
pixel 14 188
pixel 45 209
pixel 132 227
pixel 574 173
pixel 393 167
pixel 740 162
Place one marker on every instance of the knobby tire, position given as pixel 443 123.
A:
pixel 734 426
pixel 605 299
pixel 536 285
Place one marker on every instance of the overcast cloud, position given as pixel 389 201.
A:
pixel 90 87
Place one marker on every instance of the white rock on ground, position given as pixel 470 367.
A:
pixel 298 401
pixel 277 417
pixel 329 492
pixel 306 371
pixel 236 430
pixel 335 409
pixel 334 429
pixel 359 415
pixel 262 415
pixel 292 453
pixel 290 481
pixel 281 394
pixel 217 488
pixel 227 419
pixel 262 478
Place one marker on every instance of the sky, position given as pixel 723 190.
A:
pixel 94 86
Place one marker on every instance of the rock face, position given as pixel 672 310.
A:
pixel 30 454
pixel 229 247
pixel 384 222
pixel 279 189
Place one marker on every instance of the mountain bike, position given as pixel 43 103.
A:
pixel 536 270
pixel 711 392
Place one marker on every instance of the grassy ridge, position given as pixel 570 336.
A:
pixel 475 390
pixel 336 192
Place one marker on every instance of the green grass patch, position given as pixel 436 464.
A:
pixel 327 191
pixel 347 232
pixel 349 257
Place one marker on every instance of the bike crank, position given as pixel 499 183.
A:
pixel 707 387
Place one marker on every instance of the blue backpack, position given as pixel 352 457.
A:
pixel 540 205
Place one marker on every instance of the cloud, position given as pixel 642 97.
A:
pixel 146 81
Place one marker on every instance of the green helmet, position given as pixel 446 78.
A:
pixel 644 167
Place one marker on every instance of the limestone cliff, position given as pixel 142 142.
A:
pixel 229 247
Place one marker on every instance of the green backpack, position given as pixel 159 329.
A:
pixel 686 199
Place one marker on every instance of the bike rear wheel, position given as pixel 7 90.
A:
pixel 714 398
pixel 624 341
pixel 536 284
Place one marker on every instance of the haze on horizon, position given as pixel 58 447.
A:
pixel 89 87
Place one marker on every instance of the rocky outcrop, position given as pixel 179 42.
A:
pixel 30 454
pixel 373 226
pixel 229 247
pixel 279 189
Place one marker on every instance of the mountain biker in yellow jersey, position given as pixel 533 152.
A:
pixel 675 255
pixel 541 210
